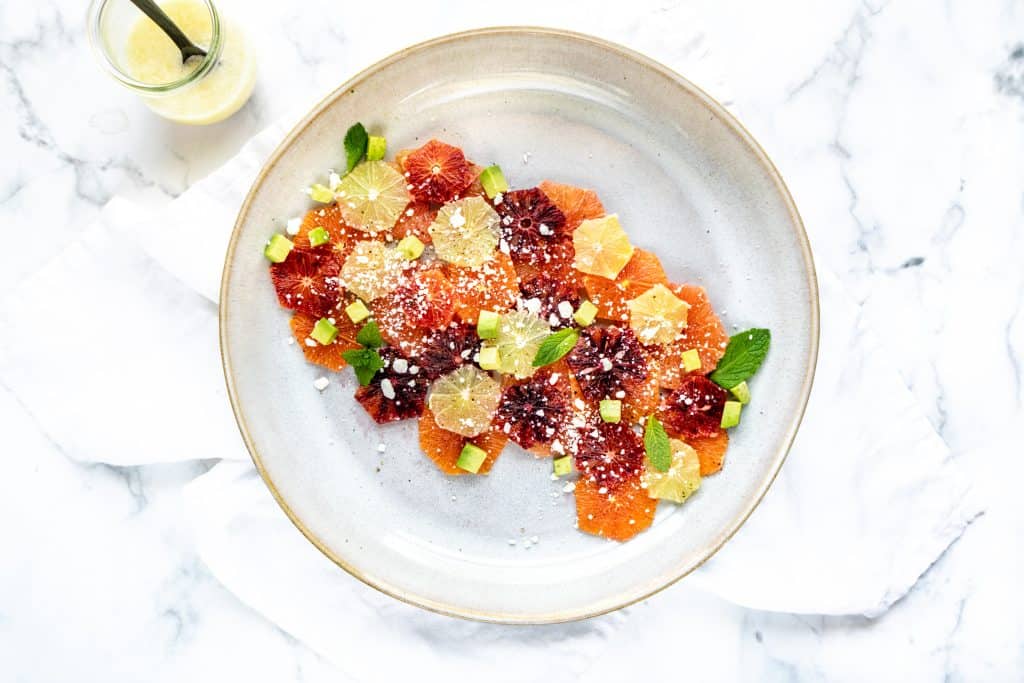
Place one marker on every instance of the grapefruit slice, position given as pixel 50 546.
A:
pixel 601 246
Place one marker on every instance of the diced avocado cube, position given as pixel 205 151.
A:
pixel 611 410
pixel 357 311
pixel 489 358
pixel 321 193
pixel 585 314
pixel 691 360
pixel 471 458
pixel 277 249
pixel 324 332
pixel 318 236
pixel 410 247
pixel 493 181
pixel 563 465
pixel 742 393
pixel 375 148
pixel 731 414
pixel 487 325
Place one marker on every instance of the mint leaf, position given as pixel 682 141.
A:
pixel 555 346
pixel 356 141
pixel 743 356
pixel 369 336
pixel 365 363
pixel 659 450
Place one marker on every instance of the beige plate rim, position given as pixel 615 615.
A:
pixel 779 457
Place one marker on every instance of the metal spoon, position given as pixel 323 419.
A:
pixel 153 11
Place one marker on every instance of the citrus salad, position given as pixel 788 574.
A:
pixel 493 315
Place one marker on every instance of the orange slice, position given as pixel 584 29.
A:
pixel 641 400
pixel 642 272
pixel 618 514
pixel 343 236
pixel 601 247
pixel 711 451
pixel 327 356
pixel 704 332
pixel 576 203
pixel 493 286
pixel 443 447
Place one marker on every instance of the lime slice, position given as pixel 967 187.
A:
pixel 682 478
pixel 464 400
pixel 520 334
pixel 373 196
pixel 657 316
pixel 372 269
pixel 465 232
pixel 602 247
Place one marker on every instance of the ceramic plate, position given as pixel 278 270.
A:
pixel 687 181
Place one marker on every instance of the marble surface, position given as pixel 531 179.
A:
pixel 899 127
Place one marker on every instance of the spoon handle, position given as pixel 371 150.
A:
pixel 160 18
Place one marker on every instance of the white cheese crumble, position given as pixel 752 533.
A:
pixel 321 383
pixel 292 227
pixel 387 389
pixel 565 309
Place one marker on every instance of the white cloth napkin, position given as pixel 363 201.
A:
pixel 112 347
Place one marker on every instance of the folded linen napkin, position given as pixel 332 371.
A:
pixel 847 529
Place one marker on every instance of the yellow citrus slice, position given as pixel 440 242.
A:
pixel 657 316
pixel 465 232
pixel 373 269
pixel 682 478
pixel 519 336
pixel 464 400
pixel 373 196
pixel 602 247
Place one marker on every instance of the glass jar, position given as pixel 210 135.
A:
pixel 203 90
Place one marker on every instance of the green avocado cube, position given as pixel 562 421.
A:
pixel 357 311
pixel 321 193
pixel 611 410
pixel 471 458
pixel 585 314
pixel 410 247
pixel 691 360
pixel 489 358
pixel 563 465
pixel 742 393
pixel 277 249
pixel 493 181
pixel 324 332
pixel 376 147
pixel 731 414
pixel 487 325
pixel 318 236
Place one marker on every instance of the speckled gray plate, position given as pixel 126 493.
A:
pixel 687 181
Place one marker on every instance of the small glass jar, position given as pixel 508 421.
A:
pixel 138 55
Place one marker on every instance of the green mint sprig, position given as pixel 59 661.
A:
pixel 555 346
pixel 659 450
pixel 356 141
pixel 365 363
pixel 369 336
pixel 743 356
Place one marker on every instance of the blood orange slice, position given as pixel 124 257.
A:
pixel 415 221
pixel 618 514
pixel 437 172
pixel 308 281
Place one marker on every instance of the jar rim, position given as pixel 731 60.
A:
pixel 94 23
